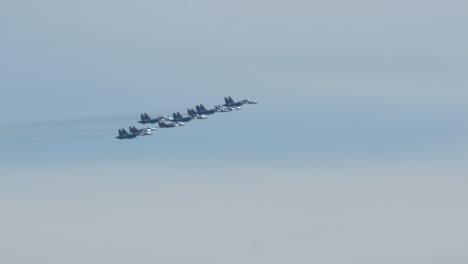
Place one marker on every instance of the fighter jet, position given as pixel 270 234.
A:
pixel 142 131
pixel 250 101
pixel 230 108
pixel 145 119
pixel 192 113
pixel 177 117
pixel 125 135
pixel 201 110
pixel 229 102
pixel 164 125
pixel 221 109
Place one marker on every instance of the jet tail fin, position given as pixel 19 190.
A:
pixel 134 130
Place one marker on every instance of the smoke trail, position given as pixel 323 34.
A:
pixel 126 119
pixel 68 122
pixel 58 138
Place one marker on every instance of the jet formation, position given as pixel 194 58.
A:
pixel 177 119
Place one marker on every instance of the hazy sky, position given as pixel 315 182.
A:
pixel 355 154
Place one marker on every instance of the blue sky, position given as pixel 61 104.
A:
pixel 355 154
